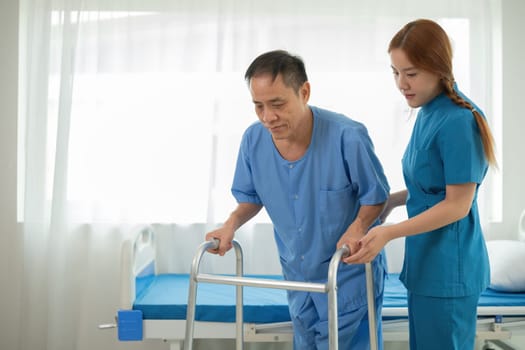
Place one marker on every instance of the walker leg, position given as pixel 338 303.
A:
pixel 372 323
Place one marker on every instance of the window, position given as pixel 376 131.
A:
pixel 159 103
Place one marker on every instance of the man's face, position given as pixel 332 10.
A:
pixel 279 108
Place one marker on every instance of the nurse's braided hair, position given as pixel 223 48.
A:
pixel 428 47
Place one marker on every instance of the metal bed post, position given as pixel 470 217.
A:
pixel 330 288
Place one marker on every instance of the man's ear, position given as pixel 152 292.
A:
pixel 304 91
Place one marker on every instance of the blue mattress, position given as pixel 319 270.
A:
pixel 165 296
pixel 396 294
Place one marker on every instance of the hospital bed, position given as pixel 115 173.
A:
pixel 155 306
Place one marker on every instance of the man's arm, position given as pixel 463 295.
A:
pixel 241 214
pixel 366 216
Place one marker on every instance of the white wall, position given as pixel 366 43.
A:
pixel 10 240
pixel 512 163
pixel 513 115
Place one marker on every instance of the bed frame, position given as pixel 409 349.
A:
pixel 496 324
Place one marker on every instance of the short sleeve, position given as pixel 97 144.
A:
pixel 243 189
pixel 461 149
pixel 365 170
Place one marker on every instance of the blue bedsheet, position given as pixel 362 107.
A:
pixel 165 296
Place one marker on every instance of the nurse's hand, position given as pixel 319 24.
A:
pixel 369 246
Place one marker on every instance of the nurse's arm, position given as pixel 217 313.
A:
pixel 225 234
pixel 395 200
pixel 455 206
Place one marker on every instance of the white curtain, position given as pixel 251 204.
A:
pixel 132 112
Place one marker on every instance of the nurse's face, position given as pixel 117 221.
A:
pixel 418 86
pixel 280 109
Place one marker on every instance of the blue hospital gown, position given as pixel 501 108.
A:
pixel 313 200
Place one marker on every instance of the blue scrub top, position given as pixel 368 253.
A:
pixel 445 148
pixel 313 200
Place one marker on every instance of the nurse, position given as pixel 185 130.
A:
pixel 445 266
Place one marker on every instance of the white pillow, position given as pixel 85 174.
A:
pixel 507 265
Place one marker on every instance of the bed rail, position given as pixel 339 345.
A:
pixel 330 287
pixel 137 260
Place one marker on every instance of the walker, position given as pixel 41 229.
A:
pixel 239 281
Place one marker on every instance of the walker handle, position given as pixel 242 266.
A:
pixel 346 251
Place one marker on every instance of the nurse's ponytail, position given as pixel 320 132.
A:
pixel 486 135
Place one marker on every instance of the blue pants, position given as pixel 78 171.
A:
pixel 311 329
pixel 442 323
